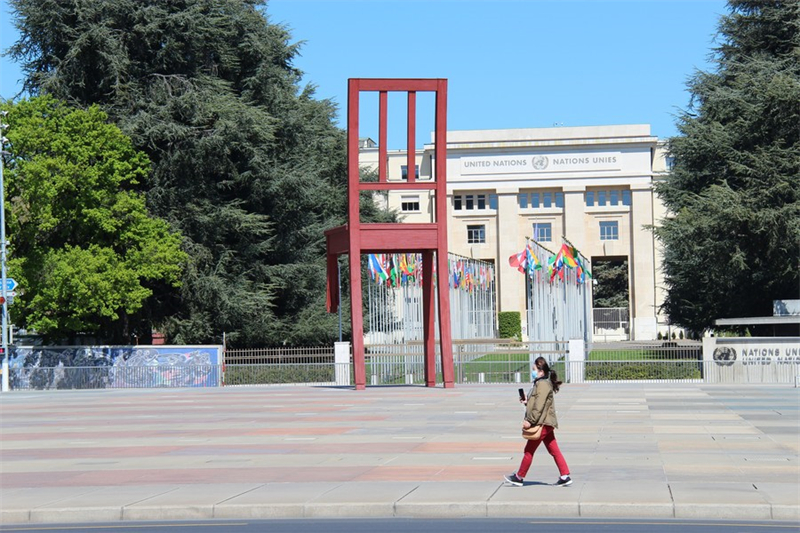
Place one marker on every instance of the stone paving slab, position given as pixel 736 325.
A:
pixel 635 450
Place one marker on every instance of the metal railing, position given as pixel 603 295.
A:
pixel 475 361
pixel 295 355
pixel 610 323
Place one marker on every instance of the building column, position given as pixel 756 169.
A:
pixel 510 283
pixel 574 216
pixel 644 324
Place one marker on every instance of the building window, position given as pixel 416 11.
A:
pixel 409 204
pixel 670 162
pixel 545 199
pixel 471 202
pixel 404 171
pixel 476 234
pixel 609 230
pixel 611 197
pixel 543 232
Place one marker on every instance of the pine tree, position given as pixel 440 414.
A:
pixel 247 164
pixel 732 242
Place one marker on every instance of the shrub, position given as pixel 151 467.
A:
pixel 633 370
pixel 510 325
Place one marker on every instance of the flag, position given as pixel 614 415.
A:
pixel 555 265
pixel 532 262
pixel 582 270
pixel 394 273
pixel 566 256
pixel 376 269
pixel 519 261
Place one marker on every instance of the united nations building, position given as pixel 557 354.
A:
pixel 593 186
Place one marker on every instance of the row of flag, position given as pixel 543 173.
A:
pixel 401 269
pixel 568 256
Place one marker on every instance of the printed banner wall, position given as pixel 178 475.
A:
pixel 100 367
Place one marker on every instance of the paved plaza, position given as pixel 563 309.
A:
pixel 634 450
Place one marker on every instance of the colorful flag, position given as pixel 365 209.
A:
pixel 519 261
pixel 376 269
pixel 394 273
pixel 566 254
pixel 532 262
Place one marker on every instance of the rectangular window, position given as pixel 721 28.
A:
pixel 404 171
pixel 409 204
pixel 626 197
pixel 601 198
pixel 543 232
pixel 493 201
pixel 457 203
pixel 589 198
pixel 476 234
pixel 535 199
pixel 481 201
pixel 614 194
pixel 470 202
pixel 670 161
pixel 560 200
pixel 609 230
pixel 523 201
pixel 547 199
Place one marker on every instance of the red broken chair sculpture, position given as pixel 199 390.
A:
pixel 429 239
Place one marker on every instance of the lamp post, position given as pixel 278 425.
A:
pixel 3 153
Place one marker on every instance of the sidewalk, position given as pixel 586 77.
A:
pixel 635 451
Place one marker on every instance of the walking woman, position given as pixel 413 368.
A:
pixel 540 411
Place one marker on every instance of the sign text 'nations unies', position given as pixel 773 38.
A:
pixel 514 164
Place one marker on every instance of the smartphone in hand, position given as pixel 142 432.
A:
pixel 521 395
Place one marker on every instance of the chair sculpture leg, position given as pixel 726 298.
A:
pixel 428 317
pixel 359 364
pixel 445 336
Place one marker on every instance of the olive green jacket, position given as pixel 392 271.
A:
pixel 540 410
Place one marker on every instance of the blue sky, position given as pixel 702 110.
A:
pixel 510 64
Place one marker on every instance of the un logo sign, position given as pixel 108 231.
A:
pixel 724 356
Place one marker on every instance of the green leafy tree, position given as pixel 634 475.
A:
pixel 732 243
pixel 84 250
pixel 248 165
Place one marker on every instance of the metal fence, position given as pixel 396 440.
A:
pixel 475 360
pixel 612 323
pixel 293 355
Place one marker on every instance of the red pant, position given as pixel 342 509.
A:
pixel 549 439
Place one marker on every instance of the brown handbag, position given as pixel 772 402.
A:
pixel 533 433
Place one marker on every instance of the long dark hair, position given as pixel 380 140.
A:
pixel 541 364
